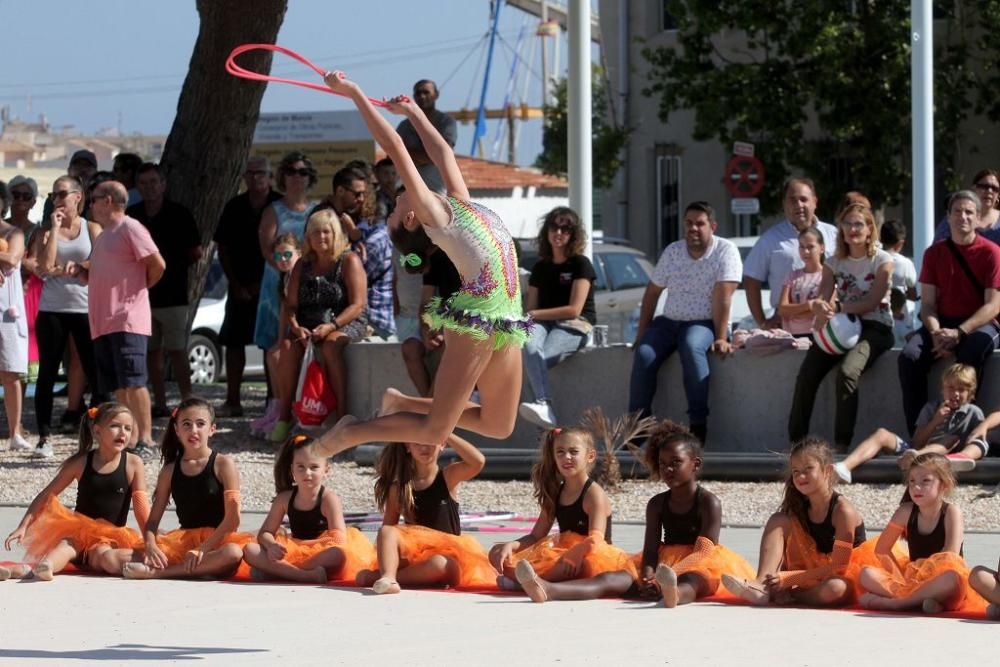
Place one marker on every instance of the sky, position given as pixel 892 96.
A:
pixel 99 65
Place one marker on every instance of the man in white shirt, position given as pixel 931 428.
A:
pixel 700 274
pixel 776 252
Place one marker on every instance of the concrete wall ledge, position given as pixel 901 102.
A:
pixel 749 399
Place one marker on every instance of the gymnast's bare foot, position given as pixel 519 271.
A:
pixel 530 582
pixel 390 402
pixel 667 579
pixel 43 571
pixel 137 571
pixel 385 586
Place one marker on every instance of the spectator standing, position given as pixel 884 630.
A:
pixel 243 264
pixel 776 252
pixel 82 166
pixel 440 279
pixel 385 194
pixel 959 303
pixel 63 250
pixel 13 324
pixel 176 235
pixel 126 171
pixel 23 195
pixel 124 264
pixel 700 274
pixel 856 282
pixel 561 304
pixel 326 308
pixel 425 94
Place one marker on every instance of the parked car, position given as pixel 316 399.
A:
pixel 622 274
pixel 740 316
pixel 205 356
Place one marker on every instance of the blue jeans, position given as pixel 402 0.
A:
pixel 662 338
pixel 548 345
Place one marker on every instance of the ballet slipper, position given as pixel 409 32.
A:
pixel 136 571
pixel 16 572
pixel 43 571
pixel 750 591
pixel 932 606
pixel 385 586
pixel 667 579
pixel 530 582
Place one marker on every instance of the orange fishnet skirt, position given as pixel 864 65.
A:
pixel 544 554
pixel 56 523
pixel 359 553
pixel 917 573
pixel 711 568
pixel 176 543
pixel 417 544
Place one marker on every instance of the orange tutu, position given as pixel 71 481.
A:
pixel 359 553
pixel 417 544
pixel 56 523
pixel 544 554
pixel 916 573
pixel 176 543
pixel 721 561
pixel 801 554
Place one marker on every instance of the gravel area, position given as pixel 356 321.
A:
pixel 21 477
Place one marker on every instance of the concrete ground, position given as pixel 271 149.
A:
pixel 79 619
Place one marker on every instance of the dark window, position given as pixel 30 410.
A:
pixel 624 271
pixel 668 18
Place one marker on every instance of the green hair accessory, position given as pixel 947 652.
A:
pixel 410 259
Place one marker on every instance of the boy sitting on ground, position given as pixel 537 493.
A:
pixel 949 427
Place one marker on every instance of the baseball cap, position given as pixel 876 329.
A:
pixel 85 155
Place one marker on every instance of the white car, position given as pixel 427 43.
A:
pixel 740 316
pixel 204 351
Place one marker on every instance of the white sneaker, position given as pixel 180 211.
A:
pixel 18 443
pixel 42 451
pixel 842 472
pixel 539 413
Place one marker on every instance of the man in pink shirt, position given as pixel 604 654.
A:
pixel 124 264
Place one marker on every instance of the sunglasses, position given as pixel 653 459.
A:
pixel 358 194
pixel 304 172
pixel 62 194
pixel 561 229
pixel 989 187
pixel 287 254
pixel 22 196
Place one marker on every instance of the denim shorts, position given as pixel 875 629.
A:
pixel 121 361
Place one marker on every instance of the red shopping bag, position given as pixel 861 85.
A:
pixel 315 399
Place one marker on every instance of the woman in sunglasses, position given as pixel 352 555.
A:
pixel 287 215
pixel 484 324
pixel 561 302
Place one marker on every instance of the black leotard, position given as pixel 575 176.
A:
pixel 824 533
pixel 921 545
pixel 104 496
pixel 573 518
pixel 198 499
pixel 681 528
pixel 434 507
pixel 306 524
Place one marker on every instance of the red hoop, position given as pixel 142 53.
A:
pixel 243 73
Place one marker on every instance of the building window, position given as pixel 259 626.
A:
pixel 668 199
pixel 668 20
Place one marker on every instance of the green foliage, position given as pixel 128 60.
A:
pixel 607 143
pixel 822 87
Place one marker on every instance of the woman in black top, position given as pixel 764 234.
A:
pixel 561 302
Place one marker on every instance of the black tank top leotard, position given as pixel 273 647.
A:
pixel 104 496
pixel 824 533
pixel 573 518
pixel 681 528
pixel 198 498
pixel 434 507
pixel 306 524
pixel 921 545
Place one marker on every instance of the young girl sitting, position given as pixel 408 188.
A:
pixel 93 537
pixel 286 252
pixel 430 549
pixel 579 563
pixel 321 547
pixel 808 551
pixel 206 490
pixel 935 575
pixel 801 286
pixel 681 558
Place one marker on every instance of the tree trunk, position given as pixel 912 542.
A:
pixel 216 115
